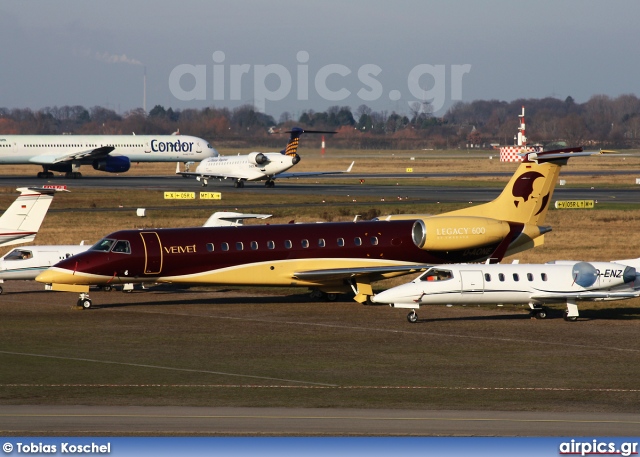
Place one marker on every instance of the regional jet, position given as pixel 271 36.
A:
pixel 329 258
pixel 27 262
pixel 530 284
pixel 21 221
pixel 109 153
pixel 257 166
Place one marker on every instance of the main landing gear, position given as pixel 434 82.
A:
pixel 239 183
pixel 46 174
pixel 320 295
pixel 540 312
pixel 73 175
pixel 269 183
pixel 412 316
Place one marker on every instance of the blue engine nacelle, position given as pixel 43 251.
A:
pixel 112 164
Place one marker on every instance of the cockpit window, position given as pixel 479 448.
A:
pixel 103 245
pixel 122 246
pixel 18 254
pixel 436 275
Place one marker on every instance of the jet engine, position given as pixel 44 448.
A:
pixel 458 232
pixel 258 158
pixel 112 164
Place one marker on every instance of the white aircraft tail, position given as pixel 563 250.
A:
pixel 21 221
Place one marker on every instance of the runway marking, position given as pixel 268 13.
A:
pixel 328 386
pixel 190 370
pixel 386 330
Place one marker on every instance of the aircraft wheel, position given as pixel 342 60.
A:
pixel 40 175
pixel 107 288
pixel 85 303
pixel 332 297
pixel 412 317
pixel 569 318
pixel 541 314
pixel 1 290
pixel 316 294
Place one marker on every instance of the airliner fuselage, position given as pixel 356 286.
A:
pixel 110 153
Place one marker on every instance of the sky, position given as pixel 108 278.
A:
pixel 291 56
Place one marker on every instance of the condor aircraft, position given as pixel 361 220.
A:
pixel 534 285
pixel 110 153
pixel 257 166
pixel 328 257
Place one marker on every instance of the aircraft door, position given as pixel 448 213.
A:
pixel 152 253
pixel 472 281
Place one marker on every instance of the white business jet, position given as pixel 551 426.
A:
pixel 109 153
pixel 256 166
pixel 533 284
pixel 21 221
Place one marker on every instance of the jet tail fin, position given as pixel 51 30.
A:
pixel 292 146
pixel 21 221
pixel 525 199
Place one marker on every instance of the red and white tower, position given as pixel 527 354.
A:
pixel 511 153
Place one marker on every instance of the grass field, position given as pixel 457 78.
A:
pixel 275 347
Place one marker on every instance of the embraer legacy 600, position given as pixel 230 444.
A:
pixel 330 257
pixel 529 284
pixel 257 166
pixel 110 153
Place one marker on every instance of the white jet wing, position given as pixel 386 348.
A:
pixel 586 296
pixel 50 159
pixel 306 174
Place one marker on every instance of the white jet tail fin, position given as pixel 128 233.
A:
pixel 21 221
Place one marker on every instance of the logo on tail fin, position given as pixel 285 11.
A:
pixel 292 147
pixel 523 187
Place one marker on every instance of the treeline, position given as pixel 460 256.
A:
pixel 600 122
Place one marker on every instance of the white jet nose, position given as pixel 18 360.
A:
pixel 405 293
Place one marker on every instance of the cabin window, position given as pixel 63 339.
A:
pixel 487 277
pixel 122 246
pixel 321 243
pixel 529 276
pixel 305 243
pixel 225 246
pixel 374 240
pixel 210 247
pixel 271 245
pixel 239 246
pixel 287 244
pixel 254 245
pixel 436 275
pixel 516 277
pixel 340 242
pixel 18 254
pixel 501 277
pixel 543 276
pixel 103 245
pixel 358 241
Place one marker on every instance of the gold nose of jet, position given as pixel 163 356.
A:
pixel 57 276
